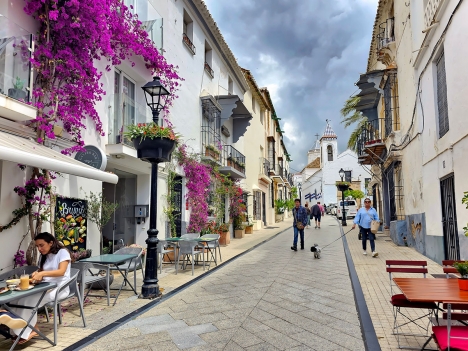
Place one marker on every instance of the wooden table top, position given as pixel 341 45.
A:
pixel 431 290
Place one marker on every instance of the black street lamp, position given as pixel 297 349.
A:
pixel 343 215
pixel 299 187
pixel 150 289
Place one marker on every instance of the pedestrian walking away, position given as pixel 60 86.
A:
pixel 317 211
pixel 299 220
pixel 364 218
pixel 308 214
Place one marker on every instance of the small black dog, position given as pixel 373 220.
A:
pixel 316 250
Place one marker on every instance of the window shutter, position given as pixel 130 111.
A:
pixel 442 96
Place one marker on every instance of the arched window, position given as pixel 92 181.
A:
pixel 330 152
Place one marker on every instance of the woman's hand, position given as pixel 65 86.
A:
pixel 37 276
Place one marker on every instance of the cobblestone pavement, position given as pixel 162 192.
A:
pixel 375 284
pixel 269 299
pixel 99 315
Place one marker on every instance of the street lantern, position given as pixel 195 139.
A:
pixel 343 214
pixel 154 90
pixel 150 289
pixel 299 187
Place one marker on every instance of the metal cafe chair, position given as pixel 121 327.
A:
pixel 400 302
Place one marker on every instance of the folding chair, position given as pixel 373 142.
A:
pixel 451 337
pixel 399 301
pixel 186 249
pixel 213 245
pixel 130 265
pixel 162 252
pixel 90 275
pixel 74 291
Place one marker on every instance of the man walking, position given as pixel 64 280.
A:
pixel 317 211
pixel 363 218
pixel 300 220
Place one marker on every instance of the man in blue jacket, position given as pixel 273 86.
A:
pixel 363 218
pixel 299 215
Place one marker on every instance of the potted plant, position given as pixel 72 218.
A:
pixel 279 210
pixel 17 91
pixel 462 268
pixel 224 237
pixel 212 151
pixel 239 228
pixel 342 186
pixel 249 226
pixel 152 142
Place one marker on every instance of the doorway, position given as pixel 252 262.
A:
pixel 121 228
pixel 177 189
pixel 264 209
pixel 449 218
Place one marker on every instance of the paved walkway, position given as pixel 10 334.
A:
pixel 99 315
pixel 269 299
pixel 375 284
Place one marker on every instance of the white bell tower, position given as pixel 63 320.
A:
pixel 329 145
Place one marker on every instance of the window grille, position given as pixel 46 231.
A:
pixel 330 152
pixel 257 206
pixel 442 96
pixel 347 176
pixel 392 121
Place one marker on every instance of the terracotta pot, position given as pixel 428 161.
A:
pixel 154 150
pixel 212 154
pixel 239 233
pixel 463 284
pixel 224 238
pixel 249 230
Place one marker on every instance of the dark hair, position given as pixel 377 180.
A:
pixel 55 248
pixel 297 200
pixel 306 205
pixel 318 202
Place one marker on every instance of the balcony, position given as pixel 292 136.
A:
pixel 15 72
pixel 209 70
pixel 188 43
pixel 370 142
pixel 431 12
pixel 233 162
pixel 212 146
pixel 264 171
pixel 152 21
pixel 386 42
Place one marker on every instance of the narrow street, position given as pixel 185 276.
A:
pixel 268 299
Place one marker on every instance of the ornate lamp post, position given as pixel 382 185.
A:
pixel 299 187
pixel 343 216
pixel 154 151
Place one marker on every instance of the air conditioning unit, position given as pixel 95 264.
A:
pixel 225 131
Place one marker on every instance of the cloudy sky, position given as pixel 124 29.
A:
pixel 309 53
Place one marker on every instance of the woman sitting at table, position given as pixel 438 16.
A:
pixel 54 267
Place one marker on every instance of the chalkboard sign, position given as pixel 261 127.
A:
pixel 71 222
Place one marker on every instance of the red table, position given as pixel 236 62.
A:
pixel 431 290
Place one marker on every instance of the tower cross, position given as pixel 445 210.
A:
pixel 317 135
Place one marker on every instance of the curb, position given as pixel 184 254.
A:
pixel 132 315
pixel 369 336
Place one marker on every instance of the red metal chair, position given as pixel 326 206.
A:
pixel 399 301
pixel 451 337
pixel 447 266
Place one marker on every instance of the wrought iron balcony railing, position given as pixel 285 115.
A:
pixel 279 170
pixel 188 43
pixel 264 166
pixel 386 33
pixel 209 70
pixel 212 145
pixel 371 131
pixel 430 11
pixel 231 157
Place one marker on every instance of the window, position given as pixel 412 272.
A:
pixel 253 103
pixel 262 116
pixel 257 206
pixel 230 86
pixel 366 185
pixel 187 35
pixel 442 96
pixel 330 152
pixel 151 20
pixel 392 120
pixel 125 112
pixel 347 176
pixel 209 59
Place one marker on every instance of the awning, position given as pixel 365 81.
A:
pixel 234 108
pixel 370 94
pixel 27 152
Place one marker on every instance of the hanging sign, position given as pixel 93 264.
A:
pixel 71 222
pixel 92 156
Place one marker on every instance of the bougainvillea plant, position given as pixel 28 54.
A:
pixel 198 177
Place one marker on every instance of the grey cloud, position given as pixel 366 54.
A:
pixel 320 46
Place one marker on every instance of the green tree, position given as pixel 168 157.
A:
pixel 356 194
pixel 350 116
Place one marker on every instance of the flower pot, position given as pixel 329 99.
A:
pixel 154 150
pixel 230 163
pixel 249 230
pixel 211 153
pixel 342 187
pixel 279 217
pixel 239 233
pixel 463 284
pixel 224 238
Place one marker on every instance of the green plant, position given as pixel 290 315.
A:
pixel 356 194
pixel 151 131
pixel 462 268
pixel 170 208
pixel 223 227
pixel 465 202
pixel 280 206
pixel 100 211
pixel 18 83
pixel 213 148
pixel 340 183
pixel 238 222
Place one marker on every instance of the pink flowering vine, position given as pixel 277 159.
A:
pixel 73 36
